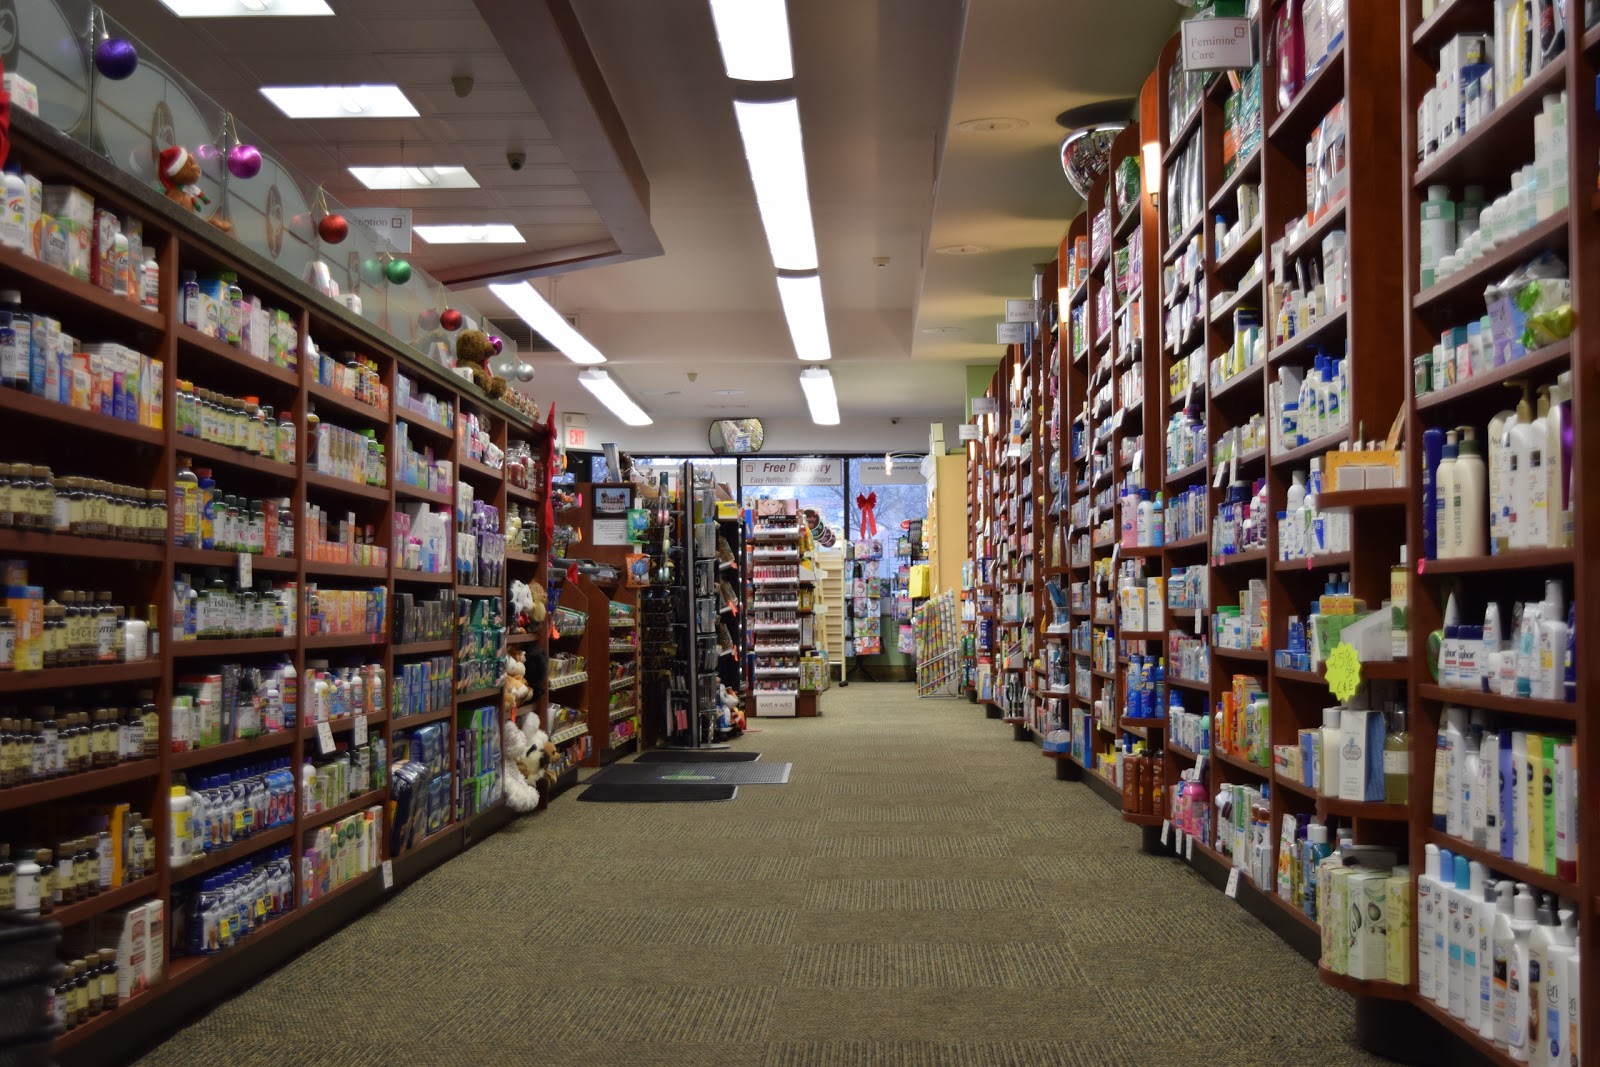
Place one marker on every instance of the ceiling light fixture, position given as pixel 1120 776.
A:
pixel 808 319
pixel 609 393
pixel 226 9
pixel 437 177
pixel 820 397
pixel 533 309
pixel 996 124
pixel 772 145
pixel 493 233
pixel 754 35
pixel 962 250
pixel 336 101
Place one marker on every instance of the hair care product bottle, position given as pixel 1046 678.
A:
pixel 1472 498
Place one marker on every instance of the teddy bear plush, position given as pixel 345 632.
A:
pixel 179 172
pixel 525 764
pixel 515 690
pixel 473 349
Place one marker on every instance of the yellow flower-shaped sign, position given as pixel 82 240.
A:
pixel 1343 671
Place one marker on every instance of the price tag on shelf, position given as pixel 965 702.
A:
pixel 1197 624
pixel 1166 830
pixel 1177 845
pixel 325 738
pixel 1232 891
pixel 246 571
pixel 1188 849
pixel 359 736
pixel 388 874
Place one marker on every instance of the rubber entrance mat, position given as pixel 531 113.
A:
pixel 609 793
pixel 713 756
pixel 695 774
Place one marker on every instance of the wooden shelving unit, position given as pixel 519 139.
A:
pixel 72 442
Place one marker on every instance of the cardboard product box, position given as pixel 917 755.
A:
pixel 133 946
pixel 155 956
pixel 1366 933
pixel 1336 920
pixel 71 211
pixel 24 94
pixel 1397 927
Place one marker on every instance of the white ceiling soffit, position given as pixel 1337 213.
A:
pixel 1004 190
pixel 581 197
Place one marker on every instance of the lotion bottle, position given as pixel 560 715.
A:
pixel 1429 891
pixel 1456 936
pixel 1550 670
pixel 1502 473
pixel 1544 936
pixel 1501 947
pixel 1523 921
pixel 1471 498
pixel 1474 991
pixel 1444 487
pixel 1536 532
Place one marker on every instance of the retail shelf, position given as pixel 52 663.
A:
pixel 1506 867
pixel 346 405
pixel 1465 287
pixel 1183 474
pixel 1294 786
pixel 1488 1051
pixel 1519 560
pixel 221 857
pixel 345 487
pixel 1240 763
pixel 346 640
pixel 1249 290
pixel 350 807
pixel 480 473
pixel 70 915
pixel 62 289
pixel 417 492
pixel 343 724
pixel 1325 443
pixel 481 590
pixel 1310 240
pixel 35 543
pixel 1317 96
pixel 1360 809
pixel 271 375
pixel 1323 562
pixel 1178 750
pixel 1242 254
pixel 1240 559
pixel 1488 389
pixel 1500 142
pixel 1223 201
pixel 519 639
pixel 75 677
pixel 215 557
pixel 1250 655
pixel 1200 541
pixel 1365 499
pixel 1526 706
pixel 67 785
pixel 623 683
pixel 209 453
pixel 236 646
pixel 363 571
pixel 521 493
pixel 1448 19
pixel 428 648
pixel 1181 241
pixel 1240 384
pixel 405 574
pixel 1179 139
pixel 566 680
pixel 521 557
pixel 418 421
pixel 77 421
pixel 196 757
pixel 569 733
pixel 469 696
pixel 405 722
pixel 1317 334
pixel 1189 683
pixel 1364 988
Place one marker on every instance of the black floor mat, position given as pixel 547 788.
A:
pixel 662 755
pixel 640 793
pixel 698 773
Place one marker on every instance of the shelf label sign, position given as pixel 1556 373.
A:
pixel 1233 883
pixel 1011 333
pixel 1217 44
pixel 358 734
pixel 325 738
pixel 791 471
pixel 388 874
pixel 776 703
pixel 1022 310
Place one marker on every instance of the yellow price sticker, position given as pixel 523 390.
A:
pixel 1343 671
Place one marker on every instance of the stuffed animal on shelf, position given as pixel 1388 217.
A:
pixel 563 499
pixel 525 764
pixel 515 690
pixel 473 349
pixel 179 172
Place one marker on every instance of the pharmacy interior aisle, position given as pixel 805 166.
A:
pixel 914 895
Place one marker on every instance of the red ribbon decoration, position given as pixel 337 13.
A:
pixel 869 521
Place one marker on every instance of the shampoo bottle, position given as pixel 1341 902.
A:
pixel 1501 467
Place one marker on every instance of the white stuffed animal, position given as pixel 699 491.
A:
pixel 526 758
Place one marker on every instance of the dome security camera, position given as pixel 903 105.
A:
pixel 516 160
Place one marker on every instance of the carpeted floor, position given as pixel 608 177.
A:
pixel 922 894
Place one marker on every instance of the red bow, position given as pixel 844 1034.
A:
pixel 869 521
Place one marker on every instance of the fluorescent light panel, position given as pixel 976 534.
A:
pixel 234 9
pixel 772 145
pixel 340 101
pixel 808 322
pixel 820 397
pixel 494 233
pixel 414 177
pixel 534 310
pixel 611 395
pixel 754 35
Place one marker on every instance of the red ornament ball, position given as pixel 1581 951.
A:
pixel 333 228
pixel 450 319
pixel 428 318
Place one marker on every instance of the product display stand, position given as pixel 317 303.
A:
pixel 778 610
pixel 144 453
pixel 578 659
pixel 730 662
pixel 679 612
pixel 612 637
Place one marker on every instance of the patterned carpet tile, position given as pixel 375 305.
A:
pixel 1037 965
pixel 869 1053
pixel 920 894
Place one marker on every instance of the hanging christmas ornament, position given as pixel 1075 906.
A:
pixel 398 271
pixel 497 344
pixel 333 228
pixel 211 161
pixel 115 58
pixel 524 371
pixel 502 366
pixel 372 270
pixel 450 319
pixel 428 319
pixel 244 161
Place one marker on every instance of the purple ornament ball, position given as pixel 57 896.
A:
pixel 115 58
pixel 244 161
pixel 496 343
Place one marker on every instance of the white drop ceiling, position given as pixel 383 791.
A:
pixel 880 83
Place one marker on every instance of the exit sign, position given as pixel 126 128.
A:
pixel 577 436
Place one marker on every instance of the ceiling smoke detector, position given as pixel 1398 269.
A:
pixel 941 331
pixel 962 250
pixel 996 124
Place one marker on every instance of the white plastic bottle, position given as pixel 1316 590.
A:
pixel 14 218
pixel 1474 994
pixel 1501 465
pixel 1501 946
pixel 1548 682
pixel 1429 892
pixel 1454 756
pixel 1456 936
pixel 181 836
pixel 1517 981
pixel 1486 912
pixel 1541 940
pixel 1471 498
pixel 1554 1048
pixel 1444 481
pixel 1536 532
pixel 150 284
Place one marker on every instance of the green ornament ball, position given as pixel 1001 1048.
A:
pixel 398 271
pixel 372 270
